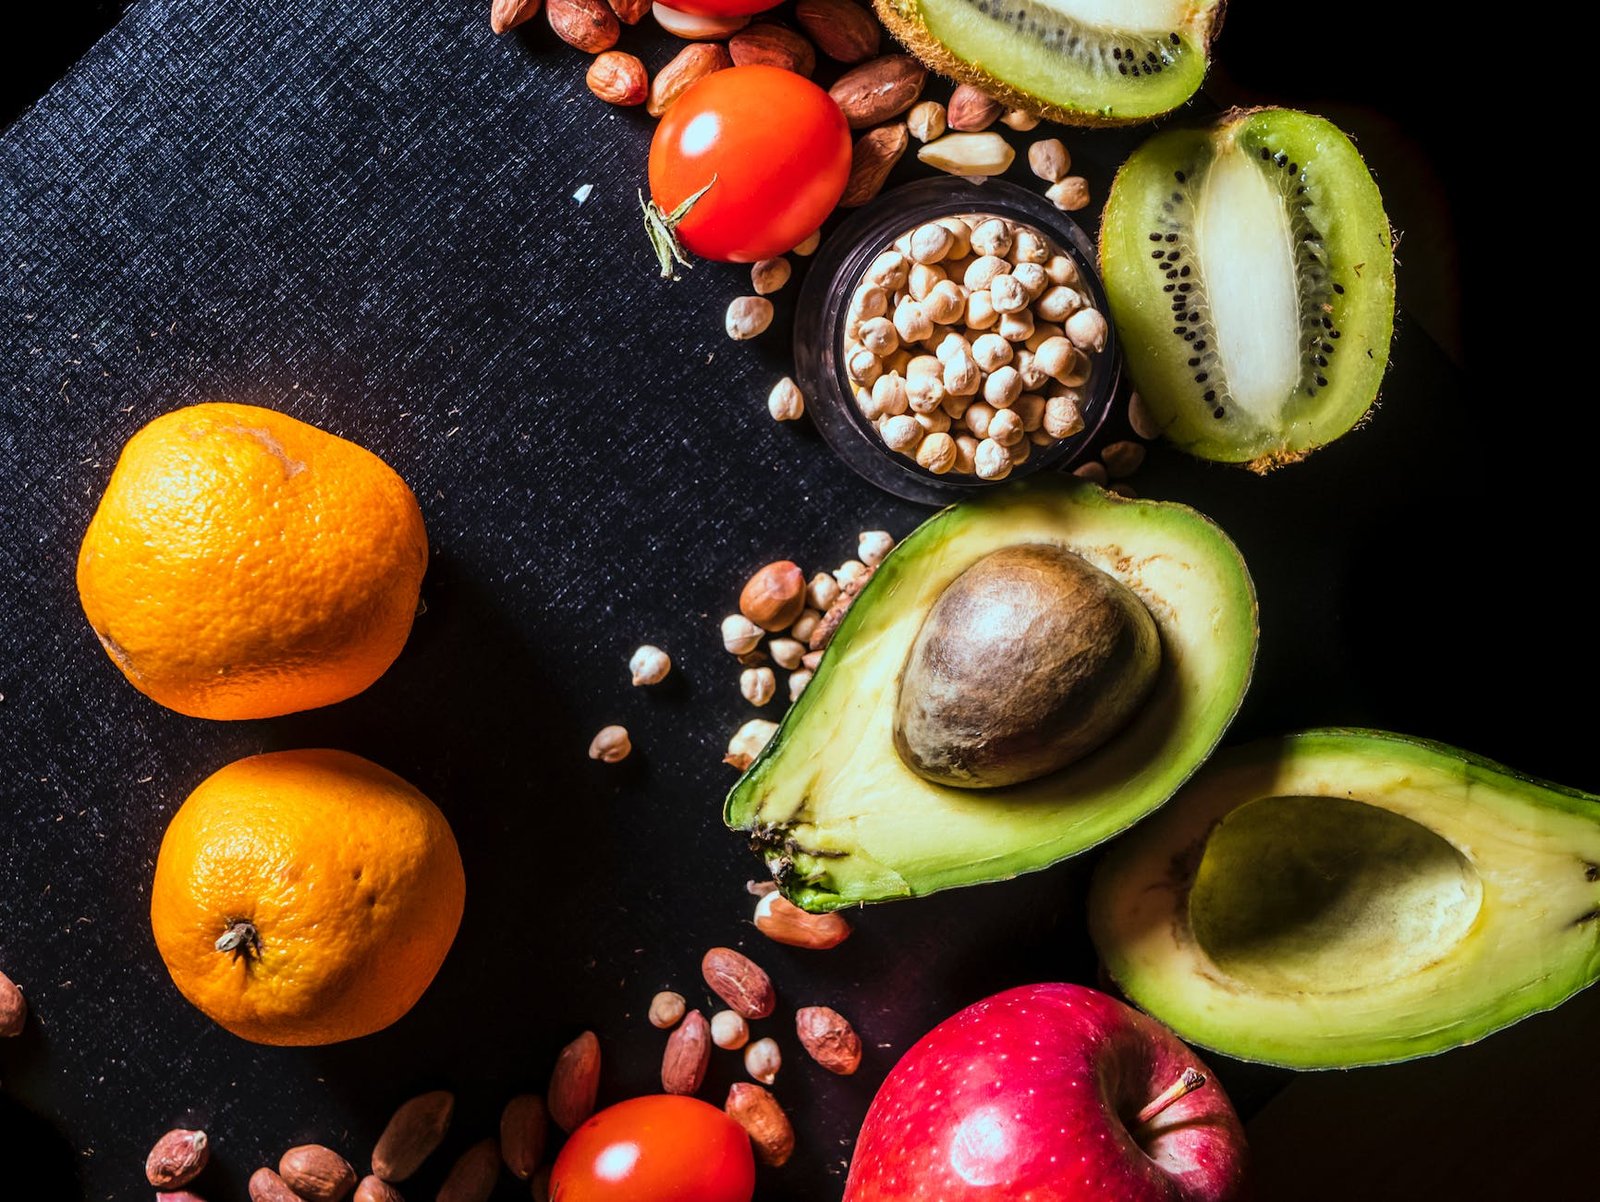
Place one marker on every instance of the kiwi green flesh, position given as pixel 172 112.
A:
pixel 1030 660
pixel 1083 62
pixel 1250 273
pixel 1345 897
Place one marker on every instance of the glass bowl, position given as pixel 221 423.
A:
pixel 839 266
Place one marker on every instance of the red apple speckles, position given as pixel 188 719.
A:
pixel 1034 1094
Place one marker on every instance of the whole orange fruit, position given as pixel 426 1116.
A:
pixel 304 897
pixel 243 564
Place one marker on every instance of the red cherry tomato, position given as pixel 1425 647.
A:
pixel 657 1149
pixel 722 8
pixel 778 147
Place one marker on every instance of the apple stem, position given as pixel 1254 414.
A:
pixel 1191 1080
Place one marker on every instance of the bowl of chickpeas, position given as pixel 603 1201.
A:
pixel 952 336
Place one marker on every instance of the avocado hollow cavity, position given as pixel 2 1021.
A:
pixel 1325 894
pixel 1029 660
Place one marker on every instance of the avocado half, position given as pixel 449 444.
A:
pixel 1081 62
pixel 1347 897
pixel 838 816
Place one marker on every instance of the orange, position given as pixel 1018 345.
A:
pixel 305 897
pixel 243 564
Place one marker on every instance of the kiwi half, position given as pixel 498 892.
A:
pixel 1250 270
pixel 1082 62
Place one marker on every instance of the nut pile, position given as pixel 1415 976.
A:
pixel 785 621
pixel 748 994
pixel 968 344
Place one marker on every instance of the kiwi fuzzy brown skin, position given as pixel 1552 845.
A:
pixel 937 57
pixel 1028 661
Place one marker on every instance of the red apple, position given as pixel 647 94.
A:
pixel 1049 1093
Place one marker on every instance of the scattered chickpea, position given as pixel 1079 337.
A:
pixel 821 592
pixel 809 244
pixel 748 741
pixel 851 571
pixel 1122 458
pixel 757 685
pixel 786 403
pixel 1070 194
pixel 926 121
pixel 769 275
pixel 649 665
pixel 748 316
pixel 797 683
pixel 1049 160
pixel 762 1060
pixel 729 1030
pixel 611 745
pixel 1093 472
pixel 1141 419
pixel 806 623
pixel 740 635
pixel 667 1010
pixel 873 545
pixel 1020 120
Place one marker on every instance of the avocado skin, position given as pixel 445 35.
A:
pixel 1029 661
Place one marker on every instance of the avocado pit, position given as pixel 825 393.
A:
pixel 1031 659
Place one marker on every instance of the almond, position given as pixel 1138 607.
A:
pixel 587 25
pixel 631 12
pixel 13 1008
pixel 691 64
pixel 846 32
pixel 177 1158
pixel 522 1134
pixel 316 1173
pixel 766 45
pixel 575 1082
pixel 875 91
pixel 618 78
pixel 971 110
pixel 763 1119
pixel 473 1176
pixel 739 981
pixel 684 1063
pixel 508 14
pixel 829 1039
pixel 775 595
pixel 267 1186
pixel 875 154
pixel 412 1133
pixel 780 920
pixel 376 1189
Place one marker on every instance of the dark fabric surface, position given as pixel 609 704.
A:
pixel 363 216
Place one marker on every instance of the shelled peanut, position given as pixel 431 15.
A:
pixel 968 344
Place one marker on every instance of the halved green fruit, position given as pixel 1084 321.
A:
pixel 1250 270
pixel 1083 62
pixel 841 819
pixel 1348 897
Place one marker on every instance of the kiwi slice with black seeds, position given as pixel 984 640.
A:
pixel 1083 62
pixel 1250 271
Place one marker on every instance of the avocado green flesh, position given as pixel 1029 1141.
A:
pixel 1094 57
pixel 1340 898
pixel 837 814
pixel 1286 265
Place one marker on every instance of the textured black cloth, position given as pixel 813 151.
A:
pixel 364 216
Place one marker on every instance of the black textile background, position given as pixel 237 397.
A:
pixel 364 216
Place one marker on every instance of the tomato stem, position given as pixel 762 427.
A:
pixel 662 228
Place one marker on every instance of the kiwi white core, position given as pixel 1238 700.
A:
pixel 1126 16
pixel 1246 258
pixel 1322 895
